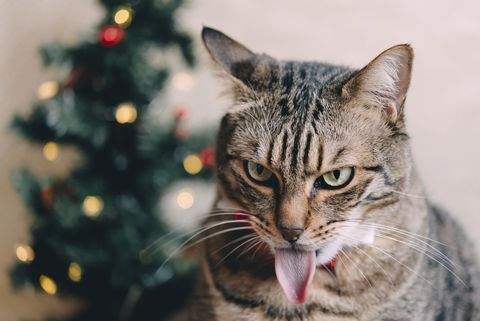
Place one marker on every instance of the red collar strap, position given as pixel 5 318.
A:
pixel 331 264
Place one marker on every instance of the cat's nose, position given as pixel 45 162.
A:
pixel 291 234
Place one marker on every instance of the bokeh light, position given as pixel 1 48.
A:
pixel 92 206
pixel 48 285
pixel 192 164
pixel 47 90
pixel 126 113
pixel 185 199
pixel 123 16
pixel 25 253
pixel 51 151
pixel 75 272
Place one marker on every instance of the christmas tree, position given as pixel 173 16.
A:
pixel 92 230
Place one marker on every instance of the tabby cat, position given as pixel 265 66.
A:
pixel 320 213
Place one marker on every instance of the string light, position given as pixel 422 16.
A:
pixel 51 151
pixel 75 272
pixel 123 16
pixel 183 81
pixel 192 164
pixel 92 206
pixel 48 285
pixel 185 199
pixel 126 113
pixel 47 90
pixel 25 253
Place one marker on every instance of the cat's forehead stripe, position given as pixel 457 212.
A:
pixel 294 152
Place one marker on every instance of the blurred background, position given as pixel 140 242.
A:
pixel 443 107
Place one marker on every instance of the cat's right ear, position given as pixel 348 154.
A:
pixel 384 81
pixel 233 57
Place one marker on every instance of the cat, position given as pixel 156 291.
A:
pixel 320 213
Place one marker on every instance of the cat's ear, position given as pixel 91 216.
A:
pixel 384 81
pixel 233 57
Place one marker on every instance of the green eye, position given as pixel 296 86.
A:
pixel 335 179
pixel 257 172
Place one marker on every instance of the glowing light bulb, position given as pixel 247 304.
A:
pixel 25 253
pixel 51 151
pixel 185 199
pixel 47 90
pixel 75 272
pixel 48 285
pixel 183 81
pixel 92 206
pixel 123 16
pixel 192 164
pixel 126 113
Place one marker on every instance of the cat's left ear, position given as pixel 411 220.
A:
pixel 384 81
pixel 234 58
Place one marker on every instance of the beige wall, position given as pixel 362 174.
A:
pixel 443 106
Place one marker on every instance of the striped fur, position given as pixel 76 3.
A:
pixel 301 120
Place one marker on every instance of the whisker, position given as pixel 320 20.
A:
pixel 328 271
pixel 170 233
pixel 183 247
pixel 429 248
pixel 258 247
pixel 375 262
pixel 356 266
pixel 259 240
pixel 428 255
pixel 345 265
pixel 231 242
pixel 392 257
pixel 405 236
pixel 161 238
pixel 392 228
pixel 253 238
pixel 410 195
pixel 199 231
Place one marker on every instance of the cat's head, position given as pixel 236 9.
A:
pixel 311 151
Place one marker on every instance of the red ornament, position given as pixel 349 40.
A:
pixel 47 195
pixel 207 155
pixel 111 35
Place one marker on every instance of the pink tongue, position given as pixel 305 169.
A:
pixel 294 271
